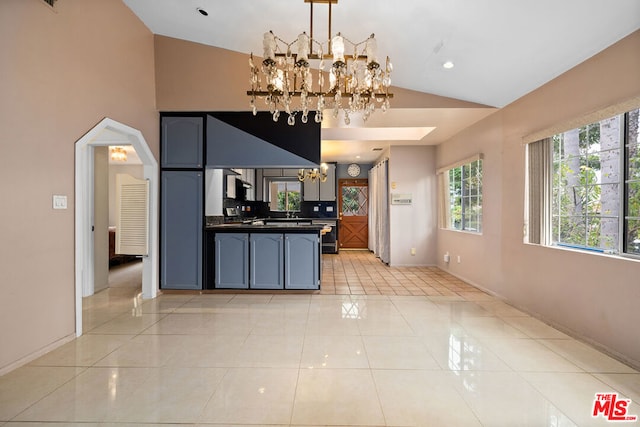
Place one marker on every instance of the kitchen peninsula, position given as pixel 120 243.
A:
pixel 284 255
pixel 211 159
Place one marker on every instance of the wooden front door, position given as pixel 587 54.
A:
pixel 353 209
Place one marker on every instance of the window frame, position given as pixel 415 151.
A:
pixel 622 183
pixel 626 164
pixel 286 181
pixel 466 197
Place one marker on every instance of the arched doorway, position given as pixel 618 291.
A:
pixel 110 132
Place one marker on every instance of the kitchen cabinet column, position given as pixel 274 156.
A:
pixel 181 200
pixel 181 230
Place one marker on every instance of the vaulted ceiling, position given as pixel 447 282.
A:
pixel 501 49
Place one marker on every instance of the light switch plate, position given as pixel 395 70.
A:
pixel 329 208
pixel 59 202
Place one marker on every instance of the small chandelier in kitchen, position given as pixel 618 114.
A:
pixel 313 174
pixel 355 75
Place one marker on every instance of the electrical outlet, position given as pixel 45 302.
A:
pixel 459 260
pixel 447 257
pixel 413 251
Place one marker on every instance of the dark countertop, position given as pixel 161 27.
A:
pixel 294 219
pixel 251 228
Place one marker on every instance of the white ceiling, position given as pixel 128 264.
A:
pixel 501 49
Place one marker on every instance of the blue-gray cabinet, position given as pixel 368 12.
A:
pixel 182 142
pixel 267 261
pixel 301 260
pixel 262 259
pixel 181 230
pixel 231 260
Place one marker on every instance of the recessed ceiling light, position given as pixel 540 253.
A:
pixel 448 65
pixel 357 157
pixel 202 11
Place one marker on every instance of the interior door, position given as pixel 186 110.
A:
pixel 353 208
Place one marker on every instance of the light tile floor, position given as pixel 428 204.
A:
pixel 453 356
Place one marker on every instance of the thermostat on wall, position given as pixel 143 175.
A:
pixel 401 198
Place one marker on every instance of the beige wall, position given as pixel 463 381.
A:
pixel 61 72
pixel 592 295
pixel 412 171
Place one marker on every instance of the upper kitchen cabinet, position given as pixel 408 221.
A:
pixel 290 172
pixel 249 177
pixel 258 184
pixel 272 172
pixel 182 142
pixel 328 188
pixel 314 191
pixel 213 190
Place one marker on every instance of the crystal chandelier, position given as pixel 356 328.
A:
pixel 356 83
pixel 313 174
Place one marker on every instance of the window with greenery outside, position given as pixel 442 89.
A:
pixel 355 200
pixel 596 183
pixel 465 197
pixel 285 196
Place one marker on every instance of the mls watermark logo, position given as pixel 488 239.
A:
pixel 610 407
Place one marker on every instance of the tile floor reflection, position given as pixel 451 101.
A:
pixel 450 356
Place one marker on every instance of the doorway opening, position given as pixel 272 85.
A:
pixel 108 133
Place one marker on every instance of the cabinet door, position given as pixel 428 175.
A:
pixel 182 142
pixel 181 230
pixel 267 261
pixel 257 186
pixel 310 191
pixel 328 188
pixel 249 176
pixel 232 260
pixel 231 187
pixel 302 261
pixel 213 188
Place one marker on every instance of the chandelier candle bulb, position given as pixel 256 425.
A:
pixel 303 50
pixel 269 45
pixel 371 50
pixel 337 47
